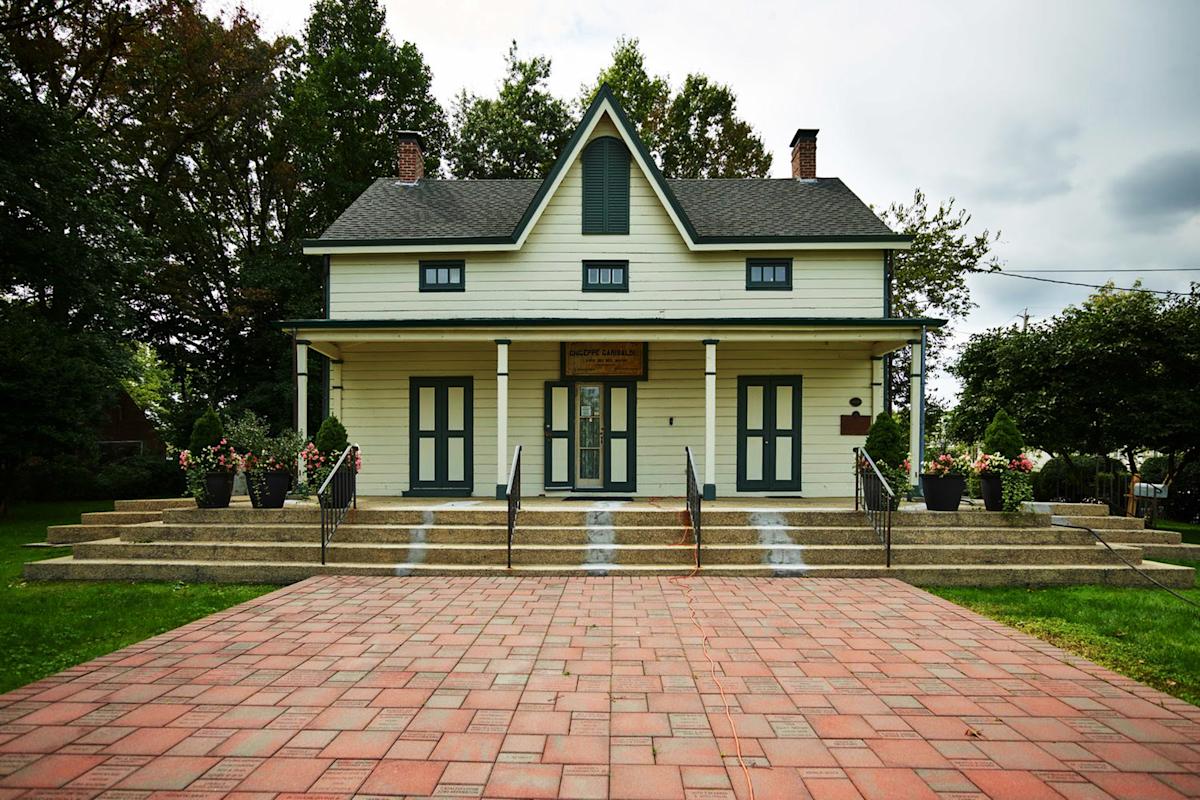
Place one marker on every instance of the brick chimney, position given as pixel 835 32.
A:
pixel 410 157
pixel 804 153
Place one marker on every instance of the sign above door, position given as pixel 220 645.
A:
pixel 604 360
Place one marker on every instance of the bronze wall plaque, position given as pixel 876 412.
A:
pixel 604 360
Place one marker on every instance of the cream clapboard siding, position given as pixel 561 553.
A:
pixel 543 279
pixel 375 409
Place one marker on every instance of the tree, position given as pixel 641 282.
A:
pixel 351 89
pixel 1118 374
pixel 644 97
pixel 519 133
pixel 1003 437
pixel 694 134
pixel 885 441
pixel 930 278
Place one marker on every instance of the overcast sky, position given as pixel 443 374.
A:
pixel 1073 128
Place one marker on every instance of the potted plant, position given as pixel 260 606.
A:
pixel 1017 483
pixel 943 482
pixel 269 462
pixel 321 455
pixel 248 434
pixel 1002 444
pixel 990 467
pixel 210 472
pixel 885 444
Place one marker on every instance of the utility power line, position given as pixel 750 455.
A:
pixel 1085 285
pixel 1155 269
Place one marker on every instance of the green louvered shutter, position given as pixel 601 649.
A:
pixel 606 187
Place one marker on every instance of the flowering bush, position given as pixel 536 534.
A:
pixel 990 464
pixel 1021 463
pixel 944 464
pixel 198 464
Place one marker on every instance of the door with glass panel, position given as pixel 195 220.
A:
pixel 440 452
pixel 589 436
pixel 768 444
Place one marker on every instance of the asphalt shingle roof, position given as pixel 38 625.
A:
pixel 726 208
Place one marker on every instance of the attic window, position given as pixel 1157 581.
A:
pixel 606 186
pixel 606 276
pixel 769 273
pixel 443 276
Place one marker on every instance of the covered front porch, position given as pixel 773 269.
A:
pixel 770 408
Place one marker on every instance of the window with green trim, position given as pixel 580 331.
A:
pixel 606 186
pixel 443 276
pixel 769 273
pixel 606 276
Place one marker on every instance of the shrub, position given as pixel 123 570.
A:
pixel 331 437
pixel 207 432
pixel 140 476
pixel 885 441
pixel 248 433
pixel 61 477
pixel 1003 437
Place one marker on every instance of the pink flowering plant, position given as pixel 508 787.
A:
pixel 990 464
pixel 220 457
pixel 944 464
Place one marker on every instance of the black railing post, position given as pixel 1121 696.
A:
pixel 694 498
pixel 512 494
pixel 337 493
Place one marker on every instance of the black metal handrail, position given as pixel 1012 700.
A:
pixel 512 493
pixel 694 498
pixel 337 494
pixel 873 495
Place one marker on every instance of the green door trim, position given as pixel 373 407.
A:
pixel 551 435
pixel 629 435
pixel 769 384
pixel 441 485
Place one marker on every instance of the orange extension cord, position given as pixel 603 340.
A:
pixel 737 742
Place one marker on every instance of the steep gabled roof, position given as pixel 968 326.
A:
pixel 709 213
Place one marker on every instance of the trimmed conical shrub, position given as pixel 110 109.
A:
pixel 331 437
pixel 885 441
pixel 1003 437
pixel 207 431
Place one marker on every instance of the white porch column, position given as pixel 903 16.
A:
pixel 710 419
pixel 335 387
pixel 916 410
pixel 502 416
pixel 301 395
pixel 876 386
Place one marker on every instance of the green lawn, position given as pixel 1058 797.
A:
pixel 47 627
pixel 1144 633
pixel 1190 530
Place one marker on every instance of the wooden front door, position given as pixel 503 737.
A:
pixel 440 436
pixel 768 444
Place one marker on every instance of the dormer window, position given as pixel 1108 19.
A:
pixel 606 186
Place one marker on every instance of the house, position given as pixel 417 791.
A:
pixel 605 318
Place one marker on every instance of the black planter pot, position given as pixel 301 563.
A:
pixel 874 503
pixel 276 488
pixel 218 488
pixel 992 488
pixel 943 492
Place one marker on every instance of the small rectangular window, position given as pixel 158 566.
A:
pixel 606 276
pixel 769 273
pixel 443 276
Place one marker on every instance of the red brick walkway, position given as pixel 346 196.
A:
pixel 592 688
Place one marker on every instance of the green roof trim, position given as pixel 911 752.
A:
pixel 542 322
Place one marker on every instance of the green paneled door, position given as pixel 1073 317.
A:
pixel 768 445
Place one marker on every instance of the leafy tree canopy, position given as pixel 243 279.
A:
pixel 517 134
pixel 694 134
pixel 1119 373
pixel 930 278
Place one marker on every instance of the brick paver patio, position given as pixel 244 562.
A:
pixel 593 688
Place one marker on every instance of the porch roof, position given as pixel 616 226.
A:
pixel 883 335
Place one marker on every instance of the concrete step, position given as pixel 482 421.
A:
pixel 540 516
pixel 601 553
pixel 1135 535
pixel 1179 551
pixel 1105 523
pixel 498 534
pixel 70 534
pixel 157 504
pixel 1069 509
pixel 119 517
pixel 70 568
